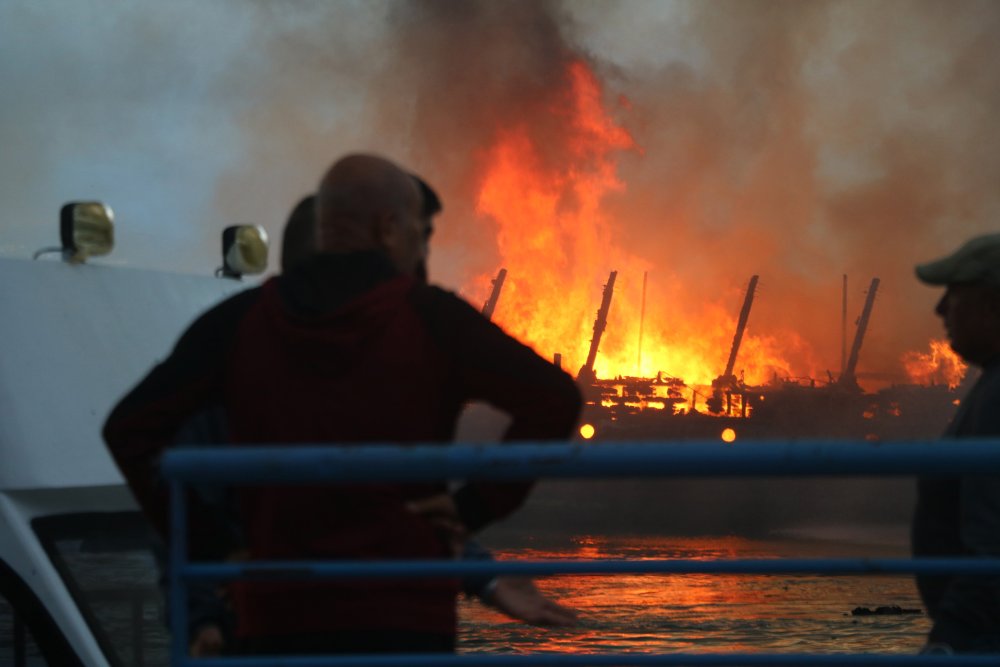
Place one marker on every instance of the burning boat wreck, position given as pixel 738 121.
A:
pixel 667 407
pixel 673 356
pixel 693 403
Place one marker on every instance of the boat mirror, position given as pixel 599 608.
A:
pixel 86 229
pixel 244 251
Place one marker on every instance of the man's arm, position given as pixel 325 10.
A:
pixel 543 401
pixel 517 597
pixel 147 419
pixel 970 606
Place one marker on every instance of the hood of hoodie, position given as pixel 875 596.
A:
pixel 328 309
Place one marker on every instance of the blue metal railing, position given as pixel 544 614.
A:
pixel 333 464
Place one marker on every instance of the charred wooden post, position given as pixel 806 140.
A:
pixel 586 373
pixel 741 326
pixel 726 382
pixel 491 303
pixel 848 378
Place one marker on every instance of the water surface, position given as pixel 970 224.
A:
pixel 746 613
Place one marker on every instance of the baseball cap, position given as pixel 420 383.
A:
pixel 978 261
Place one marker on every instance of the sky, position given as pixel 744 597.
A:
pixel 799 141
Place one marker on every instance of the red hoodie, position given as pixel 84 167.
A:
pixel 342 349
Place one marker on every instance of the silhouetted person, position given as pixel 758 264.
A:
pixel 961 516
pixel 517 597
pixel 351 345
pixel 210 618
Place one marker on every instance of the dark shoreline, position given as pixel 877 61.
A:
pixel 835 508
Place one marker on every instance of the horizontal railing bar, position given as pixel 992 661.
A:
pixel 299 570
pixel 401 463
pixel 547 659
pixel 398 463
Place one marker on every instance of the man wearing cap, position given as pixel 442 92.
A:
pixel 961 516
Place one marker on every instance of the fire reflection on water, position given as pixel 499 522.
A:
pixel 670 613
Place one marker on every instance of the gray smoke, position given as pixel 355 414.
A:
pixel 800 141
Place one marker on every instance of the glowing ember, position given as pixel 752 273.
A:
pixel 728 435
pixel 587 431
pixel 938 366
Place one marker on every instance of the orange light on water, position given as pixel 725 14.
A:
pixel 625 612
pixel 728 435
pixel 587 431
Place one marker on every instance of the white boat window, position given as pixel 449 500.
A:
pixel 106 561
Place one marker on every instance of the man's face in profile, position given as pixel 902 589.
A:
pixel 430 205
pixel 971 316
pixel 426 230
pixel 403 233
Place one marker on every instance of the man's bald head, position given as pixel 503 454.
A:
pixel 369 203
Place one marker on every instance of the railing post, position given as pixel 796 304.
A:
pixel 178 599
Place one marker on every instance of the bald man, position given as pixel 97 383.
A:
pixel 351 345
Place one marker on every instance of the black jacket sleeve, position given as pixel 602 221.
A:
pixel 488 365
pixel 147 420
pixel 969 608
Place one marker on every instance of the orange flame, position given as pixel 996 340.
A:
pixel 938 366
pixel 559 247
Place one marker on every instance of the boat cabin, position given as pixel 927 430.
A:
pixel 78 580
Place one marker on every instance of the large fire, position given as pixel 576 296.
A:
pixel 939 365
pixel 559 248
pixel 545 196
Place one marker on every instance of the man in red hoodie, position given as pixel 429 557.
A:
pixel 349 346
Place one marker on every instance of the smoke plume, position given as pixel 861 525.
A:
pixel 798 141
